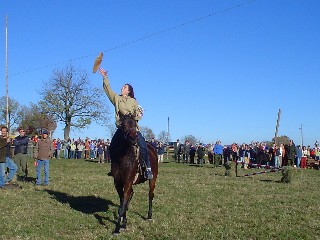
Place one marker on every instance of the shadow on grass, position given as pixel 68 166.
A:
pixel 84 204
pixel 91 160
pixel 274 181
pixel 262 180
pixel 219 175
pixel 101 218
pixel 27 179
pixel 199 165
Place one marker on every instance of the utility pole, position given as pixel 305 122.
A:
pixel 301 135
pixel 277 127
pixel 168 141
pixel 7 91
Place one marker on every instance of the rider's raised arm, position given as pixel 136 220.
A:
pixel 111 94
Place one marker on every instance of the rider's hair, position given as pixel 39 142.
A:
pixel 131 92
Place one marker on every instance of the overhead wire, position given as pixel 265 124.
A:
pixel 140 38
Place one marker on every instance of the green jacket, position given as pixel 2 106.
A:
pixel 291 152
pixel 123 105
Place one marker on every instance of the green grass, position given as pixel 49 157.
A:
pixel 190 203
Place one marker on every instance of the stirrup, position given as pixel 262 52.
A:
pixel 148 174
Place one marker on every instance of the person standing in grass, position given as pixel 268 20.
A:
pixel 298 156
pixel 92 148
pixel 20 152
pixel 201 153
pixel 291 153
pixel 80 149
pixel 72 149
pixel 218 151
pixel 186 151
pixel 107 151
pixel 9 162
pixel 43 153
pixel 3 151
pixel 177 151
pixel 3 144
pixel 192 154
pixel 59 145
pixel 277 155
pixel 100 151
pixel 160 151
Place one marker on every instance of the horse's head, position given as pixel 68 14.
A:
pixel 129 127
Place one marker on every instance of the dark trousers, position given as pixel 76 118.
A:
pixel 143 150
pixel 217 160
pixel 192 158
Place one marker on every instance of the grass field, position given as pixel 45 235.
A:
pixel 190 202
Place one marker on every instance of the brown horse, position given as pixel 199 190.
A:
pixel 127 169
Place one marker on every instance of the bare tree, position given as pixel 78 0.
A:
pixel 147 133
pixel 112 129
pixel 70 99
pixel 163 137
pixel 14 112
pixel 191 139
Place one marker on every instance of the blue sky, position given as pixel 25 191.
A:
pixel 223 77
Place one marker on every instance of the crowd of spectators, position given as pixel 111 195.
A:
pixel 255 153
pixel 82 149
pixel 259 153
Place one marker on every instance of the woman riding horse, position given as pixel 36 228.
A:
pixel 126 104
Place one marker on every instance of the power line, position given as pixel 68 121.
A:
pixel 143 37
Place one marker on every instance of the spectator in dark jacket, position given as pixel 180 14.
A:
pixel 201 153
pixel 160 151
pixel 20 152
pixel 192 153
pixel 291 152
pixel 186 153
pixel 226 154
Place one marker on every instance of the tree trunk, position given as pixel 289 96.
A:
pixel 66 131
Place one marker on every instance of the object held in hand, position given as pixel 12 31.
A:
pixel 97 63
pixel 141 110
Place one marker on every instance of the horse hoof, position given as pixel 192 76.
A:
pixel 123 229
pixel 150 220
pixel 115 233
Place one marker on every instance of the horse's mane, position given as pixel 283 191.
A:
pixel 124 140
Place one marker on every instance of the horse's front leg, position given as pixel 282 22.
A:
pixel 122 211
pixel 121 216
pixel 119 188
pixel 151 195
pixel 124 217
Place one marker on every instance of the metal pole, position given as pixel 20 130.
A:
pixel 7 91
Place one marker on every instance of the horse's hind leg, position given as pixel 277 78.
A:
pixel 152 185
